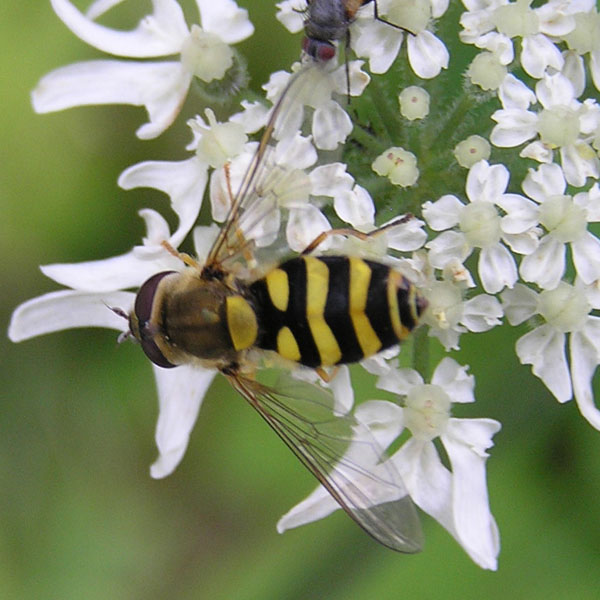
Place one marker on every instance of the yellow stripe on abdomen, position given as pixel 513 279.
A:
pixel 278 288
pixel 395 282
pixel 360 278
pixel 317 287
pixel 287 346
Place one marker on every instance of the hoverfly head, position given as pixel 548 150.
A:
pixel 141 326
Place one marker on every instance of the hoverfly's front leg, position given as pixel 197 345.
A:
pixel 354 232
pixel 182 256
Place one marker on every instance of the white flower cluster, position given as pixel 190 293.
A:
pixel 537 258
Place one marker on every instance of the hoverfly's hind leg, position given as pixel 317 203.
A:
pixel 354 232
pixel 379 18
pixel 182 256
pixel 326 376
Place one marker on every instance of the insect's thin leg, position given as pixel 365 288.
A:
pixel 346 65
pixel 324 375
pixel 182 256
pixel 382 20
pixel 353 232
pixel 226 168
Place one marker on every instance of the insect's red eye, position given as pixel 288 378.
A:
pixel 320 50
pixel 143 311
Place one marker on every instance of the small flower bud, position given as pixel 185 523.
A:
pixel 414 103
pixel 398 165
pixel 472 150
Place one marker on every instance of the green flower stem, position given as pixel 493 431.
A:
pixel 420 352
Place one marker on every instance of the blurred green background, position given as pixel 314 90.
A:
pixel 80 517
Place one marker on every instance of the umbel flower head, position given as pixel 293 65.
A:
pixel 501 187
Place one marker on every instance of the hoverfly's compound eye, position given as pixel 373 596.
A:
pixel 143 311
pixel 319 50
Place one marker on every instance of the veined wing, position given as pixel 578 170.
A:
pixel 231 241
pixel 343 455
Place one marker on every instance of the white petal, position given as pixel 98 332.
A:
pixel 586 256
pixel 295 152
pixel 317 505
pixel 343 392
pixel 253 117
pixel 330 180
pixel 158 34
pixel 555 90
pixel 465 442
pixel 553 21
pixel 523 243
pixel 304 225
pixel 590 202
pixel 67 310
pixel 522 213
pixel 537 150
pixel 579 162
pixel 160 87
pixel 290 14
pixel 585 356
pixel 481 313
pixel 119 272
pixel 486 182
pixel 443 213
pixel 99 7
pixel 446 247
pixel 355 207
pixel 385 420
pixel 331 125
pixel 180 393
pixel 427 54
pixel 378 42
pixel 184 182
pixel 497 268
pixel 574 71
pixel 520 304
pixel 544 349
pixel 544 182
pixel 428 482
pixel 225 19
pixel 455 380
pixel 513 93
pixel 407 237
pixel 538 54
pixel 399 381
pixel 204 238
pixel 595 68
pixel 515 126
pixel 546 265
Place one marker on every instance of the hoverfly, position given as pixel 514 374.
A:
pixel 312 310
pixel 328 21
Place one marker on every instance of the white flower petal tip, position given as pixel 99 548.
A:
pixel 180 394
pixel 68 310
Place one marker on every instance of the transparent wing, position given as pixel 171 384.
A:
pixel 343 455
pixel 251 203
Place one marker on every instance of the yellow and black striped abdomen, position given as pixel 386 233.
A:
pixel 328 310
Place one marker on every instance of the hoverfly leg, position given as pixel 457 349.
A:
pixel 182 256
pixel 355 233
pixel 326 376
pixel 325 234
